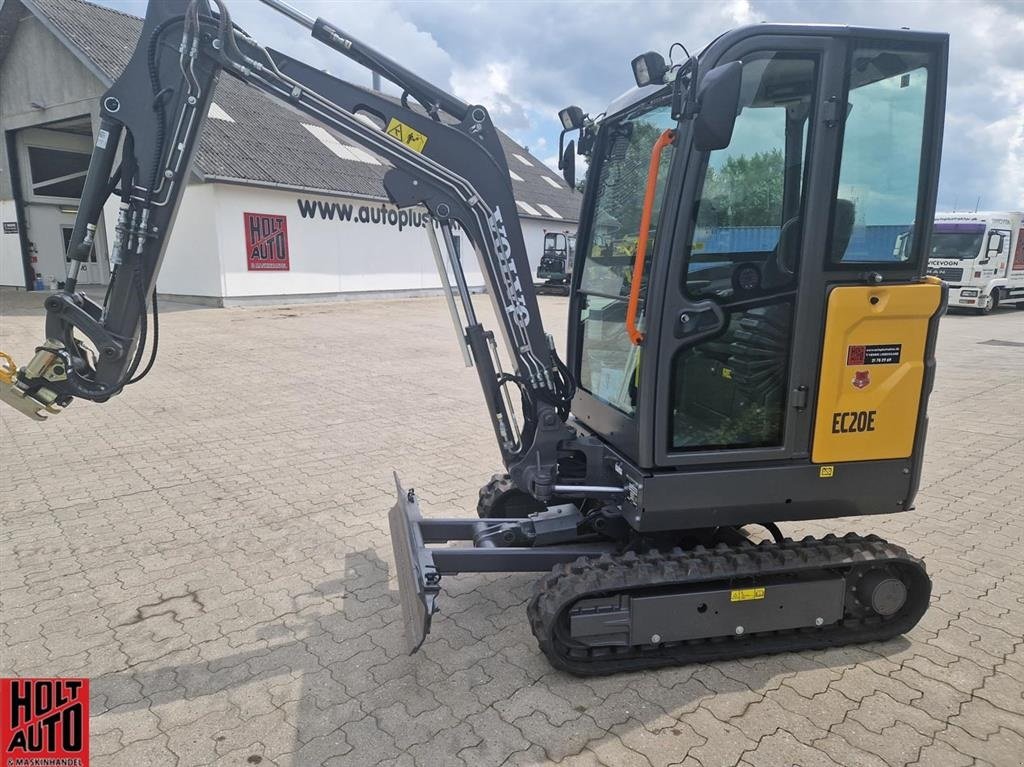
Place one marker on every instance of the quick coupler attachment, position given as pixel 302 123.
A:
pixel 41 403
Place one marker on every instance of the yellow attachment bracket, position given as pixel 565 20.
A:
pixel 7 368
pixel 37 406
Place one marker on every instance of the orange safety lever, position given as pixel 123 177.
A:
pixel 635 335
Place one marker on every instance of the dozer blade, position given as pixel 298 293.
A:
pixel 418 579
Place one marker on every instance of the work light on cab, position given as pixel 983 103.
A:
pixel 649 69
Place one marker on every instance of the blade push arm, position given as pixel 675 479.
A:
pixel 445 155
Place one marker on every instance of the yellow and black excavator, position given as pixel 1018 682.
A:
pixel 744 347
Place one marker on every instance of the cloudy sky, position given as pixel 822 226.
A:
pixel 526 59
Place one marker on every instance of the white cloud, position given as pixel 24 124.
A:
pixel 490 85
pixel 742 12
pixel 525 61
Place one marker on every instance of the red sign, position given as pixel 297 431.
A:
pixel 855 355
pixel 861 379
pixel 1018 254
pixel 266 242
pixel 44 721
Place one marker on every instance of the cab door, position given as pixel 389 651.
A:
pixel 607 365
pixel 780 217
pixel 724 387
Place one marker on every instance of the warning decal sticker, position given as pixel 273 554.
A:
pixel 413 139
pixel 874 354
pixel 266 242
pixel 746 595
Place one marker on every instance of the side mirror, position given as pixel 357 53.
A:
pixel 994 244
pixel 718 102
pixel 568 164
pixel 899 249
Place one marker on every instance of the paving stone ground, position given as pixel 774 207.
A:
pixel 211 549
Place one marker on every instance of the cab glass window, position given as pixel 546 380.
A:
pixel 729 391
pixel 747 232
pixel 880 167
pixel 608 359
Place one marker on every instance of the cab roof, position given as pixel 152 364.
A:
pixel 880 67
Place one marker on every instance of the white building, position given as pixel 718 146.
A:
pixel 257 161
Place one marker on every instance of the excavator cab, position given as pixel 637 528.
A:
pixel 746 350
pixel 766 357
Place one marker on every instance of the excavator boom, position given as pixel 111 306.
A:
pixel 445 155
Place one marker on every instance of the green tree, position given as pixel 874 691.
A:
pixel 746 190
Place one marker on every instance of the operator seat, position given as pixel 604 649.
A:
pixel 781 265
pixel 842 228
pixel 759 343
pixel 742 394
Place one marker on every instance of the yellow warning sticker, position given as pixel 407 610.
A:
pixel 827 471
pixel 746 595
pixel 411 138
pixel 726 373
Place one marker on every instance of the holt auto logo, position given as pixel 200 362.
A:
pixel 861 379
pixel 44 722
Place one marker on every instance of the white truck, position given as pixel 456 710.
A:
pixel 981 257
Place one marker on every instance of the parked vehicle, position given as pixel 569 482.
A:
pixel 981 257
pixel 556 262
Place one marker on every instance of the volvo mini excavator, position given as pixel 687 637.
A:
pixel 744 349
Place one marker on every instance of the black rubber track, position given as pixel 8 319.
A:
pixel 631 573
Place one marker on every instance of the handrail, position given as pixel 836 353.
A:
pixel 635 335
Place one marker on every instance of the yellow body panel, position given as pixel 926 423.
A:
pixel 872 371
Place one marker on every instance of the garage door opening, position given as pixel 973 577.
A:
pixel 54 161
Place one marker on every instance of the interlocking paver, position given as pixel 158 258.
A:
pixel 781 749
pixel 497 737
pixel 660 745
pixel 559 740
pixel 723 743
pixel 843 752
pixel 942 753
pixel 899 744
pixel 612 749
pixel 824 709
pixel 211 549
